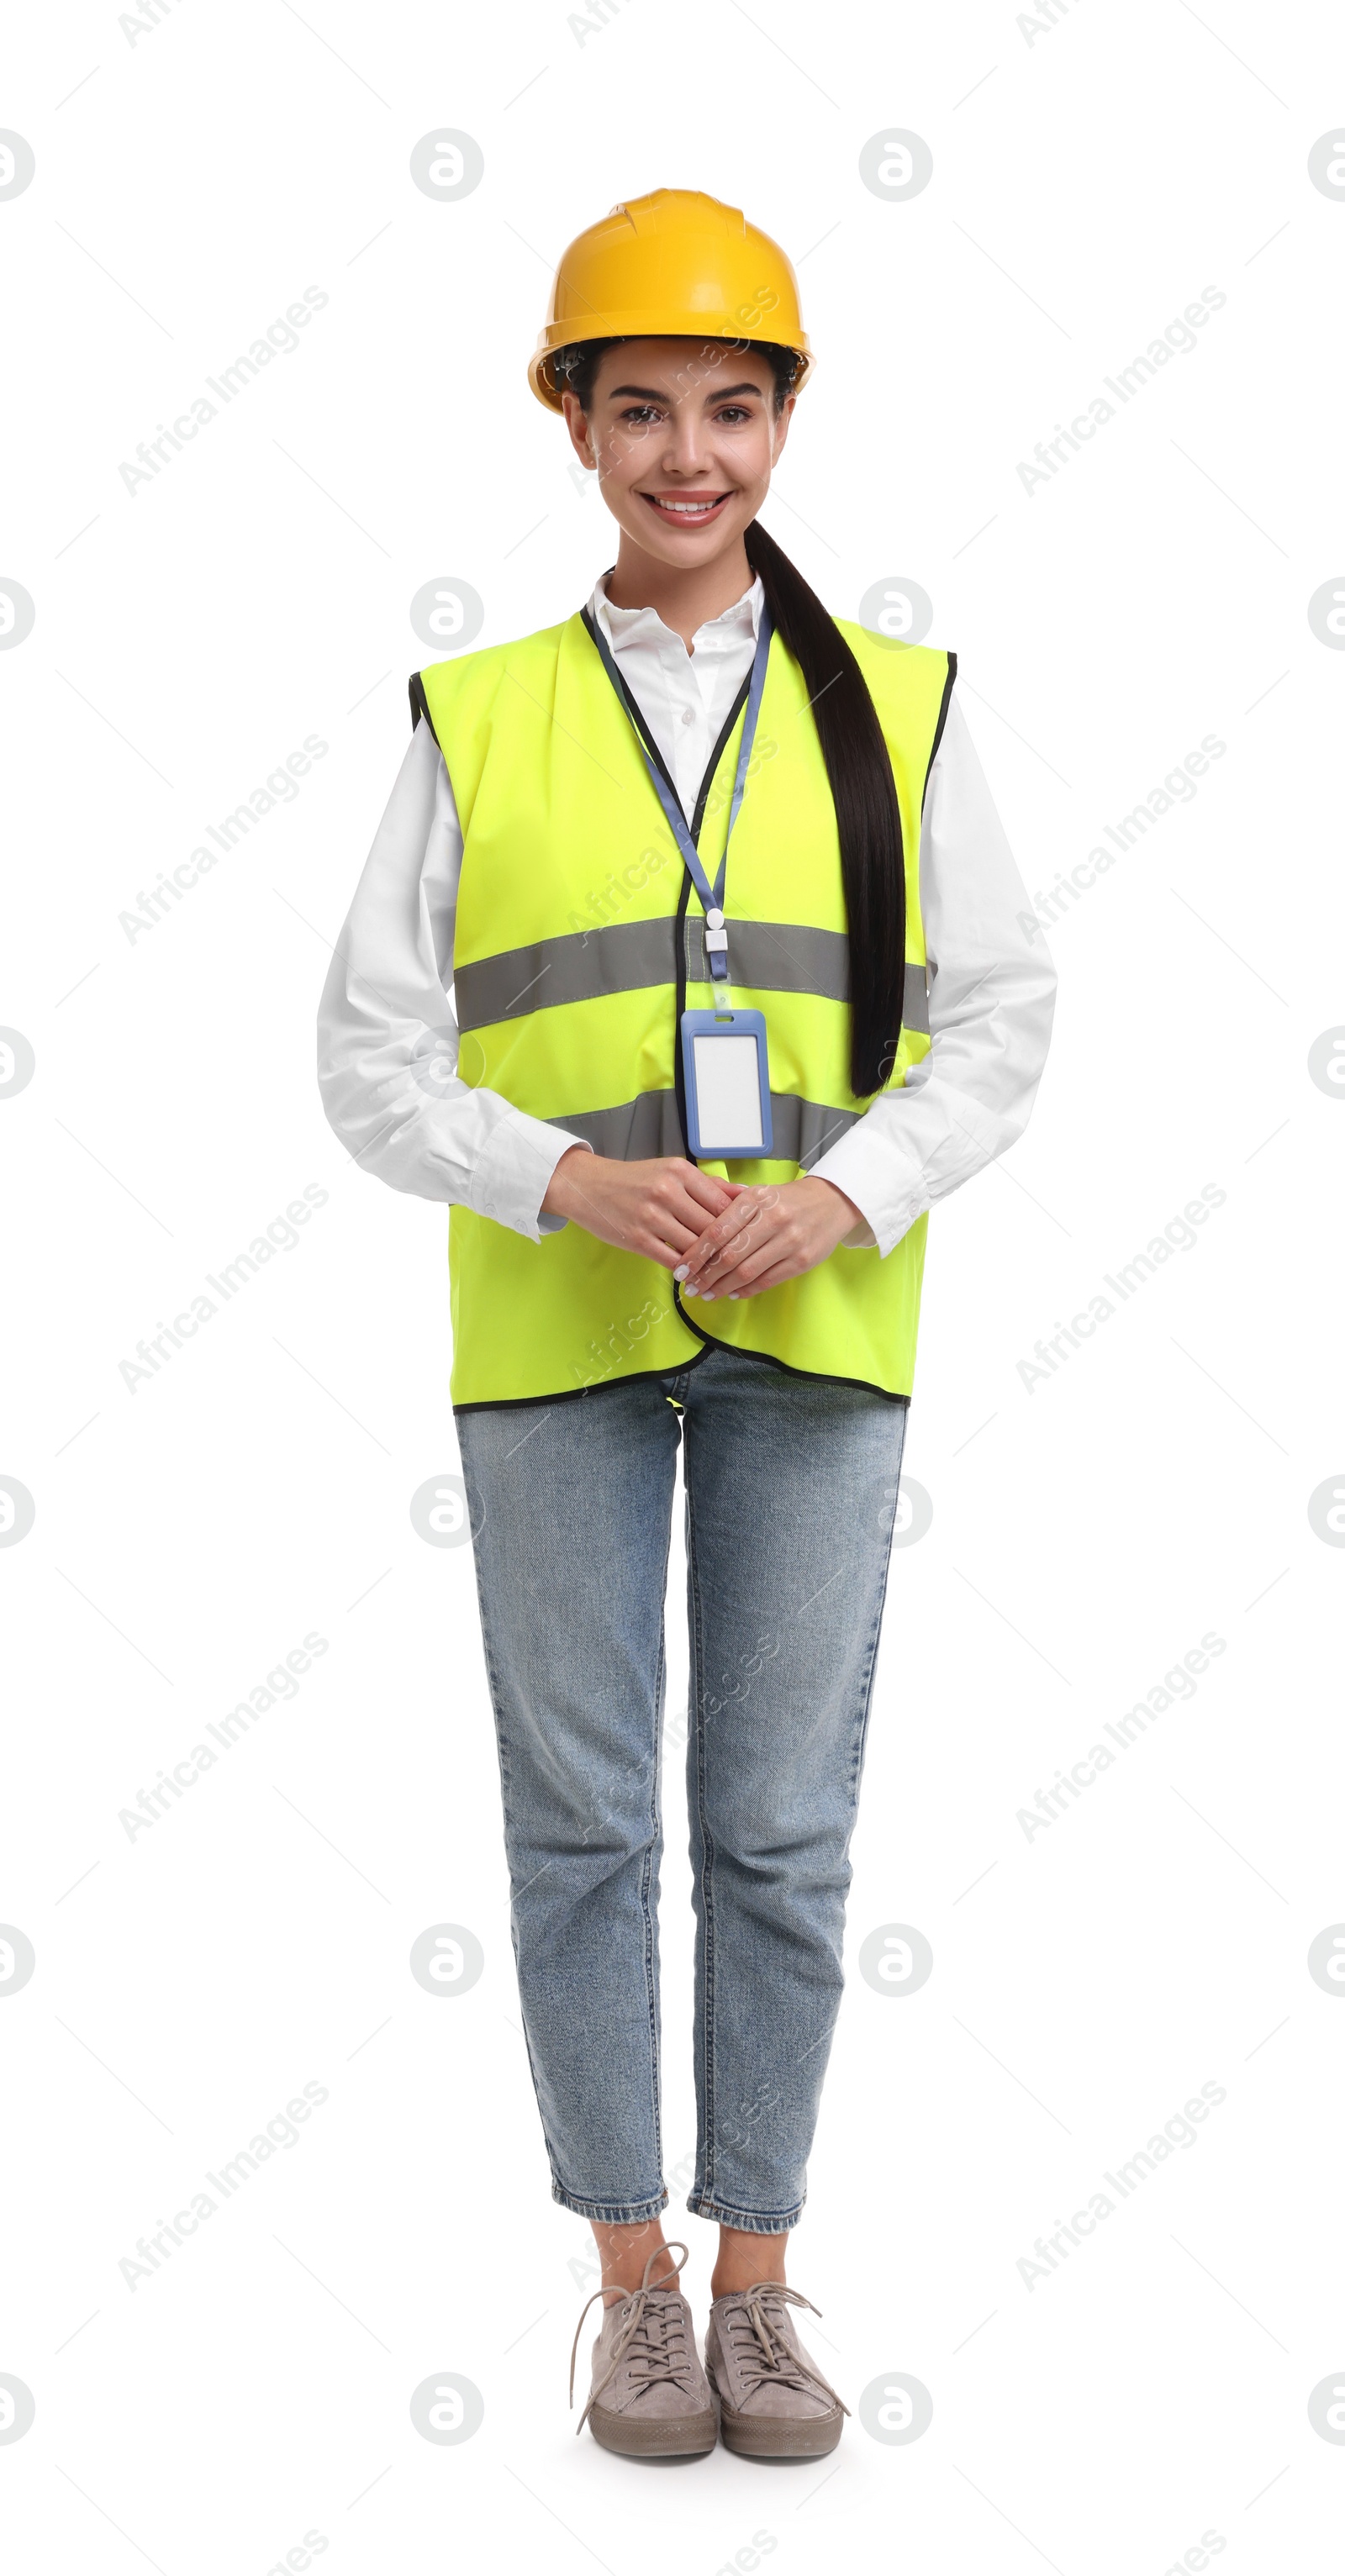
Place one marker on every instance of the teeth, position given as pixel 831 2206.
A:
pixel 690 509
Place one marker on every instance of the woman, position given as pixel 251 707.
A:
pixel 729 1018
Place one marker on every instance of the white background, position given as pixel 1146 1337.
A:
pixel 1090 178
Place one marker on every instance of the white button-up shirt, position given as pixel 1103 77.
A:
pixel 683 697
pixel 388 1039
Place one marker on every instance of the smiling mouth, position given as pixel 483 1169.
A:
pixel 686 510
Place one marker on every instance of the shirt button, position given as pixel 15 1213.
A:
pixel 687 715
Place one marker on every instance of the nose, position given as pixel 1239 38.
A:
pixel 685 446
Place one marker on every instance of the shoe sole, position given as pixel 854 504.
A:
pixel 678 2437
pixel 776 2437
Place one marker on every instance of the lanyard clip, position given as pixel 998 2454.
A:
pixel 717 944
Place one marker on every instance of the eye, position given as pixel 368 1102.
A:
pixel 638 415
pixel 732 413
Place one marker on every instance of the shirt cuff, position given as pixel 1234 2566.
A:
pixel 513 1174
pixel 852 1166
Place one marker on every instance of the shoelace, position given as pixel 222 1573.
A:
pixel 654 2334
pixel 763 2355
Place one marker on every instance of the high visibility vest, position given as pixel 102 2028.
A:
pixel 579 942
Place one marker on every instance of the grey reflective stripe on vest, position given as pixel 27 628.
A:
pixel 580 966
pixel 783 957
pixel 630 956
pixel 637 1131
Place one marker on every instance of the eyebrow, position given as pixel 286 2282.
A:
pixel 721 393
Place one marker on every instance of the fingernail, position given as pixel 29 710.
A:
pixel 681 1271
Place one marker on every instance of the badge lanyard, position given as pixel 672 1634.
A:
pixel 724 1054
pixel 712 897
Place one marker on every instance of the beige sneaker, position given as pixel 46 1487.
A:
pixel 774 2402
pixel 649 2396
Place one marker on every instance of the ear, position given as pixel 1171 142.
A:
pixel 577 424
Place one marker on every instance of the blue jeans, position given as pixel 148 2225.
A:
pixel 791 1490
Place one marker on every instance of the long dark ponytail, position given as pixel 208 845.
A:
pixel 859 772
pixel 863 791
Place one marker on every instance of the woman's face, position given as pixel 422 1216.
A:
pixel 683 435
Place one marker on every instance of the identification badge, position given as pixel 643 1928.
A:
pixel 728 1084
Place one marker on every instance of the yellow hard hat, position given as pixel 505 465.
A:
pixel 673 265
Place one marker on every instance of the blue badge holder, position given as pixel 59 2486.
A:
pixel 721 1092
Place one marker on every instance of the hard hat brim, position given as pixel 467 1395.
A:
pixel 645 326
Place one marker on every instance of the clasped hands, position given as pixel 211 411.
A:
pixel 718 1238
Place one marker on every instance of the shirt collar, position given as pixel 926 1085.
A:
pixel 623 626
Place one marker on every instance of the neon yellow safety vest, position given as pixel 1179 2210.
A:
pixel 579 942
